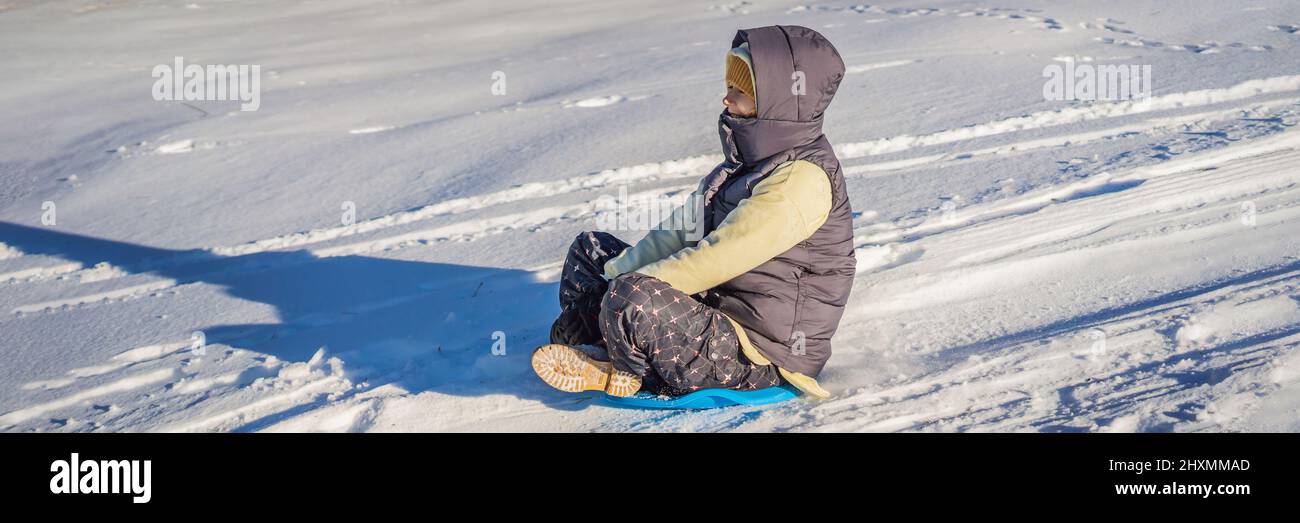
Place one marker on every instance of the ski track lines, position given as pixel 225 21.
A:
pixel 977 222
pixel 260 390
pixel 1086 391
pixel 1180 374
pixel 40 272
pixel 125 292
pixel 1144 193
pixel 262 407
pixel 1154 125
pixel 118 362
pixel 881 235
pixel 125 384
pixel 1241 91
pixel 687 167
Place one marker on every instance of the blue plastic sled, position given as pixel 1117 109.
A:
pixel 705 399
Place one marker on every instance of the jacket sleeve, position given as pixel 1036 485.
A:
pixel 666 239
pixel 784 209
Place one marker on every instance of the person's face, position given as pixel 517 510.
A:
pixel 739 104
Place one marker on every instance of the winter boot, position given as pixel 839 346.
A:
pixel 572 370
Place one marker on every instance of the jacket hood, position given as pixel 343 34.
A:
pixel 787 116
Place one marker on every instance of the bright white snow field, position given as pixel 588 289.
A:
pixel 1025 264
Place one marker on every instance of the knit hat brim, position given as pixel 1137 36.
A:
pixel 740 71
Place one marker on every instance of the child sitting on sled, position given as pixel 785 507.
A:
pixel 754 301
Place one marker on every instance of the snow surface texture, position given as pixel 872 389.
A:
pixel 1025 265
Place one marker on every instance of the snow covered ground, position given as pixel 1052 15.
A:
pixel 1025 264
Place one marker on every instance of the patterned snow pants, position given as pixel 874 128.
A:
pixel 673 341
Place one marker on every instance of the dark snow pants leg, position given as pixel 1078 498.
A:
pixel 675 343
pixel 582 286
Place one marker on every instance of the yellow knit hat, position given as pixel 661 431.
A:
pixel 740 71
